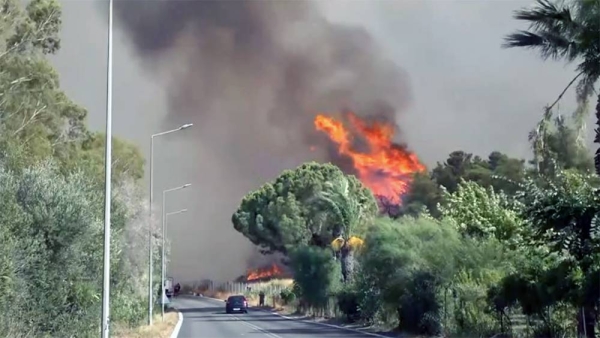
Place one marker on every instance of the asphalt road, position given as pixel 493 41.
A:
pixel 206 318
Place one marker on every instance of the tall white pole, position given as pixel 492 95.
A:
pixel 167 228
pixel 162 260
pixel 150 219
pixel 107 179
pixel 150 222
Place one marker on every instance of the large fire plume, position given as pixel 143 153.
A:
pixel 382 165
pixel 271 271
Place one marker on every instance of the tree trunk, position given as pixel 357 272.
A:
pixel 586 322
pixel 597 137
pixel 347 260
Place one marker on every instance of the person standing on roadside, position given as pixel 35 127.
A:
pixel 261 298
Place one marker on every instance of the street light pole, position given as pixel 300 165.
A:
pixel 167 220
pixel 107 181
pixel 167 228
pixel 185 126
pixel 164 214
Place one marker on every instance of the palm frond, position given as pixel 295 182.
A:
pixel 328 203
pixel 547 16
pixel 550 45
pixel 554 30
pixel 338 199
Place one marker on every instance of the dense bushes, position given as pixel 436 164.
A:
pixel 51 231
pixel 52 197
pixel 316 276
pixel 522 263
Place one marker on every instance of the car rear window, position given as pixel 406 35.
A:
pixel 237 298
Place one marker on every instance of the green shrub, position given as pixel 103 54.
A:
pixel 287 296
pixel 348 303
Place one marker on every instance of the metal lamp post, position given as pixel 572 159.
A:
pixel 185 126
pixel 167 219
pixel 164 214
pixel 167 228
pixel 107 182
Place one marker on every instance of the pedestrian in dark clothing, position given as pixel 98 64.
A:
pixel 261 299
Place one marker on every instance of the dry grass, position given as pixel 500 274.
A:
pixel 286 282
pixel 216 294
pixel 160 329
pixel 253 297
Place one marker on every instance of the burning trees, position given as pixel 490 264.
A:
pixel 318 205
pixel 385 167
pixel 264 273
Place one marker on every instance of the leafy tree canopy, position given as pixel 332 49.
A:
pixel 278 215
pixel 480 212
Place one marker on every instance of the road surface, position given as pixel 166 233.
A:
pixel 206 318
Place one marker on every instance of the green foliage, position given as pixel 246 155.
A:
pixel 287 296
pixel 51 196
pixel 406 264
pixel 347 204
pixel 500 172
pixel 316 274
pixel 562 210
pixel 424 193
pixel 51 275
pixel 348 207
pixel 480 212
pixel 127 159
pixel 278 215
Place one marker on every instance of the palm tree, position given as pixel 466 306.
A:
pixel 568 31
pixel 348 205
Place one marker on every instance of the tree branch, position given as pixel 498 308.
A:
pixel 548 108
pixel 31 119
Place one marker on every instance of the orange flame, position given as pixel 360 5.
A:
pixel 385 167
pixel 271 271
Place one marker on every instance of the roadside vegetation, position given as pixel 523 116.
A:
pixel 52 195
pixel 481 247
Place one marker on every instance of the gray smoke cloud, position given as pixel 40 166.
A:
pixel 251 75
pixel 256 72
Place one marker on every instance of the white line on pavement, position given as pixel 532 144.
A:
pixel 175 332
pixel 260 329
pixel 311 322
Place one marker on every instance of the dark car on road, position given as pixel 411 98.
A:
pixel 236 304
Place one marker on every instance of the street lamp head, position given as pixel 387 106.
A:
pixel 185 126
pixel 183 210
pixel 186 185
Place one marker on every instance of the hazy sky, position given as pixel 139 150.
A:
pixel 467 93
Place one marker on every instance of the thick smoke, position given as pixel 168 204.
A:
pixel 251 76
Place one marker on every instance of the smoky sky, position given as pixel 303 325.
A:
pixel 261 70
pixel 251 75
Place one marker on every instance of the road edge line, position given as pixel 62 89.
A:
pixel 325 324
pixel 175 332
pixel 309 322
